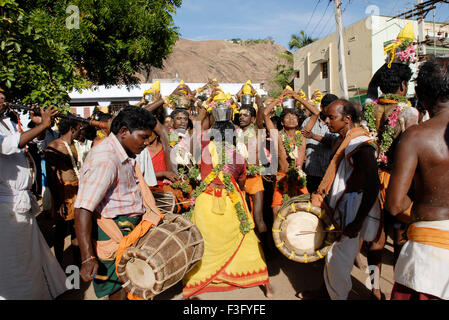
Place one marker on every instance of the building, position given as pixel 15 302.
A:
pixel 83 103
pixel 316 65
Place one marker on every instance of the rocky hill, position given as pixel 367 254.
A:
pixel 227 61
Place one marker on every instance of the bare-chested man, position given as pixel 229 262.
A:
pixel 422 156
pixel 63 175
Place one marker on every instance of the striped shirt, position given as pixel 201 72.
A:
pixel 318 154
pixel 108 184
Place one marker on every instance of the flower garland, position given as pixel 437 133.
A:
pixel 251 169
pixel 294 173
pixel 173 138
pixel 245 226
pixel 183 155
pixel 386 140
pixel 187 181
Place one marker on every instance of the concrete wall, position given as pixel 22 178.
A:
pixel 357 42
pixel 364 53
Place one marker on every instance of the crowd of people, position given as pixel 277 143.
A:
pixel 231 163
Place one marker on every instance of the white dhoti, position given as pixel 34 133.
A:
pixel 422 267
pixel 28 269
pixel 340 258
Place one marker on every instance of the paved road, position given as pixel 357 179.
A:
pixel 287 278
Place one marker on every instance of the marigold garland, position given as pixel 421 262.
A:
pixel 245 225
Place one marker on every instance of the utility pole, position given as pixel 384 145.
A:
pixel 421 46
pixel 341 51
pixel 434 36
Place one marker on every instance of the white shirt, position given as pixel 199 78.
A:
pixel 15 174
pixel 146 166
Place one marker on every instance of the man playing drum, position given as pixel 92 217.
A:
pixel 422 156
pixel 349 192
pixel 108 191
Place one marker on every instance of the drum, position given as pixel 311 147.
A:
pixel 161 258
pixel 302 231
pixel 165 201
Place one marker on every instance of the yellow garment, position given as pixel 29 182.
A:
pixel 156 87
pixel 247 88
pixel 302 94
pixel 289 88
pixel 104 109
pixel 430 236
pixel 318 96
pixel 407 33
pixel 221 96
pixel 231 259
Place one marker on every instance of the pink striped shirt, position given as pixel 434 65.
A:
pixel 108 184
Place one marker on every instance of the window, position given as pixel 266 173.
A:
pixel 297 74
pixel 324 71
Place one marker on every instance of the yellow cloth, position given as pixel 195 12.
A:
pixel 156 87
pixel 247 88
pixel 384 178
pixel 407 33
pixel 231 260
pixel 302 94
pixel 221 96
pixel 430 236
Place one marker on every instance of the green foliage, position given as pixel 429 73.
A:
pixel 284 72
pixel 34 68
pixel 282 78
pixel 42 58
pixel 299 40
pixel 118 37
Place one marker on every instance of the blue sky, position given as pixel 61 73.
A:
pixel 279 19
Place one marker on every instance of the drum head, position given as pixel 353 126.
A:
pixel 303 232
pixel 140 273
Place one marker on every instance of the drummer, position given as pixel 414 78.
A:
pixel 348 192
pixel 108 191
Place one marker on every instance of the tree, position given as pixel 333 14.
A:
pixel 33 68
pixel 43 57
pixel 284 72
pixel 299 40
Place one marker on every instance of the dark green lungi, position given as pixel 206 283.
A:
pixel 102 288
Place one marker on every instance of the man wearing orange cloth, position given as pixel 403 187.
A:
pixel 422 157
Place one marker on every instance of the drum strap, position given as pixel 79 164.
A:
pixel 151 218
